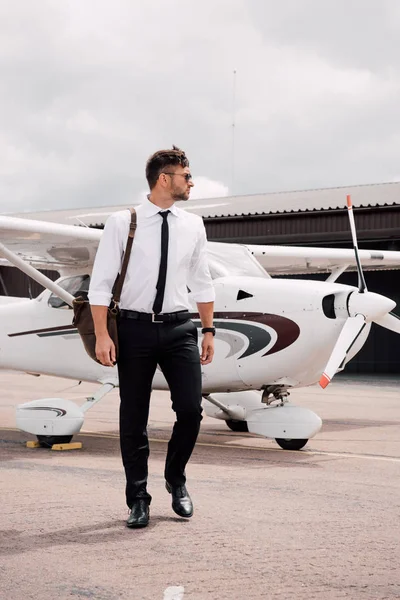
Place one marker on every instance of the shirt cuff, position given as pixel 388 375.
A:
pixel 207 295
pixel 99 298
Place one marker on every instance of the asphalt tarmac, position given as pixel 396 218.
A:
pixel 321 523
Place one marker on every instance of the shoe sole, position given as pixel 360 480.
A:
pixel 183 516
pixel 136 525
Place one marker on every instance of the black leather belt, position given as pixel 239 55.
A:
pixel 182 315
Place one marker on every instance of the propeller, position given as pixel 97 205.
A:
pixel 390 321
pixel 362 287
pixel 347 338
pixel 363 307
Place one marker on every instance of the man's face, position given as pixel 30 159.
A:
pixel 180 182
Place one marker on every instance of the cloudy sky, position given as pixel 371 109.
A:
pixel 90 88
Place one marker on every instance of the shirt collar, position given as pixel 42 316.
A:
pixel 151 209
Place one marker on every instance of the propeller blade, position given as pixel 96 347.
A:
pixel 389 321
pixel 350 332
pixel 361 281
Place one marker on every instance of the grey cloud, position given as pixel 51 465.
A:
pixel 90 89
pixel 358 33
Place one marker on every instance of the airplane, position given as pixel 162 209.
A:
pixel 273 334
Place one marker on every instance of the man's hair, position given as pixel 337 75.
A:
pixel 158 162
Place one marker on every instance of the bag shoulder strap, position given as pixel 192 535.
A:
pixel 119 282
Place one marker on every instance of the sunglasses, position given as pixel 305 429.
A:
pixel 188 177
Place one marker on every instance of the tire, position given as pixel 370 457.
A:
pixel 239 426
pixel 47 441
pixel 291 444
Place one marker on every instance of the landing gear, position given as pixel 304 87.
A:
pixel 275 393
pixel 55 421
pixel 276 418
pixel 242 427
pixel 48 441
pixel 239 426
pixel 291 444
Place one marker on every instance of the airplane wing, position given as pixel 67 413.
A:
pixel 60 247
pixel 290 260
pixel 47 245
pixel 55 246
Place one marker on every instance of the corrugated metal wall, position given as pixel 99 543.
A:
pixel 15 283
pixel 307 228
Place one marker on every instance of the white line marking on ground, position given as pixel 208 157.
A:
pixel 392 459
pixel 261 449
pixel 174 593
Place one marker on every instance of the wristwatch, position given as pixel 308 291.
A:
pixel 208 330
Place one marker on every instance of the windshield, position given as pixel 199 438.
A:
pixel 77 286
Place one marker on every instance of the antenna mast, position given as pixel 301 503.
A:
pixel 233 133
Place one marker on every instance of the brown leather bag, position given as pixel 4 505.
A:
pixel 83 319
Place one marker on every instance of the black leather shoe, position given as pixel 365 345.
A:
pixel 181 501
pixel 139 515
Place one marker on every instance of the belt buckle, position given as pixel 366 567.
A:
pixel 153 318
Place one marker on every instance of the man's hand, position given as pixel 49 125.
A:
pixel 105 350
pixel 207 349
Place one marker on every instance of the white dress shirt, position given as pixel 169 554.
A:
pixel 187 260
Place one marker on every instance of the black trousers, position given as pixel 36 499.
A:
pixel 142 346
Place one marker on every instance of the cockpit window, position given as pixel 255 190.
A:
pixel 77 286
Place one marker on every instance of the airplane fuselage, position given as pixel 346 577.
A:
pixel 269 331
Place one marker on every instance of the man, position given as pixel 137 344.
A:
pixel 168 257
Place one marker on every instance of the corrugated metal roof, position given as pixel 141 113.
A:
pixel 379 194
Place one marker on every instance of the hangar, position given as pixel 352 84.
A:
pixel 302 218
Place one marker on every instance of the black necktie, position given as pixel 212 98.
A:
pixel 162 274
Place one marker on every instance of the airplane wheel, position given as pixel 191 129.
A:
pixel 47 441
pixel 291 444
pixel 240 426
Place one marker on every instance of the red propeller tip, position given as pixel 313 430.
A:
pixel 349 204
pixel 324 381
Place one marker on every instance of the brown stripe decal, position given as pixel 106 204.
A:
pixel 47 330
pixel 287 330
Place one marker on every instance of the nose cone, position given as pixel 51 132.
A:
pixel 372 306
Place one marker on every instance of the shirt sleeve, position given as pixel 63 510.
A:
pixel 107 263
pixel 199 280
